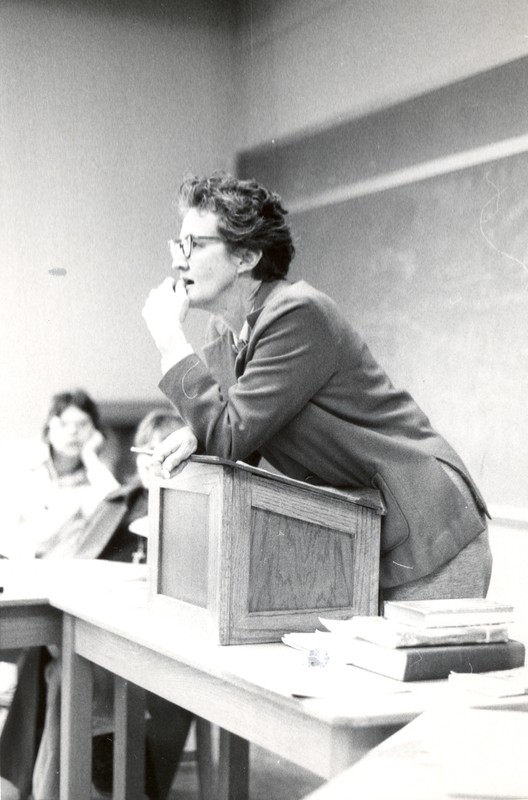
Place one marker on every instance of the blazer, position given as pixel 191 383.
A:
pixel 305 392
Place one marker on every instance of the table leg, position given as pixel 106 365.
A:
pixel 233 767
pixel 227 776
pixel 76 720
pixel 129 740
pixel 205 758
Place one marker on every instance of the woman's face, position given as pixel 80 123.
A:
pixel 69 432
pixel 211 270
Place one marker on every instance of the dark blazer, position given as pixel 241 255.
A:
pixel 306 393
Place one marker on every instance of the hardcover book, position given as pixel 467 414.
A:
pixel 390 633
pixel 434 662
pixel 448 613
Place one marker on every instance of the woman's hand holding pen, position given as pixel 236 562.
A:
pixel 173 451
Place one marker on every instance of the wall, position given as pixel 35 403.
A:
pixel 311 63
pixel 104 105
pixel 423 241
pixel 509 543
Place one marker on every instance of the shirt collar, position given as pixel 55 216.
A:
pixel 263 294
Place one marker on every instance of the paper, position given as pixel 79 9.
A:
pixel 338 625
pixel 499 683
pixel 343 683
pixel 140 527
pixel 333 679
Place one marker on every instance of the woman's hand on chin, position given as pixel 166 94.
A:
pixel 164 312
pixel 173 452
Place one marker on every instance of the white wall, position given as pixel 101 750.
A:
pixel 102 109
pixel 509 544
pixel 103 106
pixel 312 62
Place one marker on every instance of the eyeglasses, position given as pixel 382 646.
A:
pixel 185 245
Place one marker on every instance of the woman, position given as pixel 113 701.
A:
pixel 110 531
pixel 286 376
pixel 51 501
pixel 46 510
pixel 30 740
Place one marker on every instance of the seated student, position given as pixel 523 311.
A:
pixel 49 502
pixel 30 740
pixel 46 504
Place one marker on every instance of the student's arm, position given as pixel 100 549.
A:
pixel 100 478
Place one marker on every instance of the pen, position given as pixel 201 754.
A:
pixel 142 450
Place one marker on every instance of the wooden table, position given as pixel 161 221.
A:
pixel 26 617
pixel 431 758
pixel 246 690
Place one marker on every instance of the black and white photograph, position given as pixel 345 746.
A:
pixel 264 417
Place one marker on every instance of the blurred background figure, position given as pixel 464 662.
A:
pixel 117 529
pixel 30 739
pixel 50 499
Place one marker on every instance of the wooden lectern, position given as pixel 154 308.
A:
pixel 247 555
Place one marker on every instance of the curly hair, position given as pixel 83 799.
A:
pixel 249 216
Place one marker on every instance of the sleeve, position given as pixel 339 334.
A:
pixel 291 355
pixel 101 482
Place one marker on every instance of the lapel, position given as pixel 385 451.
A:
pixel 225 361
pixel 261 298
pixel 220 357
pixel 265 291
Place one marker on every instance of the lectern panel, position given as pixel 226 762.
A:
pixel 296 565
pixel 184 546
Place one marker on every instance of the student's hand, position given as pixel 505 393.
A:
pixel 92 447
pixel 164 312
pixel 173 452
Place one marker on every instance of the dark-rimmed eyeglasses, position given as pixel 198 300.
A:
pixel 185 245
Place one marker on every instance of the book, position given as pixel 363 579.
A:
pixel 429 662
pixel 451 613
pixel 390 633
pixel 499 683
pixel 434 661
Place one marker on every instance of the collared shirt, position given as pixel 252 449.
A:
pixel 44 507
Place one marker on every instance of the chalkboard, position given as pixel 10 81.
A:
pixel 434 274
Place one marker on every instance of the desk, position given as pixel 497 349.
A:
pixel 26 617
pixel 245 690
pixel 401 768
pixel 433 753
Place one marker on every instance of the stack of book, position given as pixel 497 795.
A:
pixel 428 639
